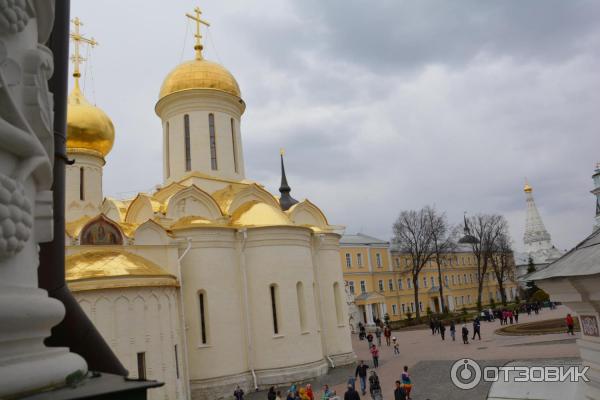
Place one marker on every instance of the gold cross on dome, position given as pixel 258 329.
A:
pixel 198 46
pixel 78 38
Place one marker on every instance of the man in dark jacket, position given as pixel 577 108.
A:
pixel 361 372
pixel 374 386
pixel 351 394
pixel 399 393
pixel 476 328
pixel 238 394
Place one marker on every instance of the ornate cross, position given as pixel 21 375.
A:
pixel 198 46
pixel 78 38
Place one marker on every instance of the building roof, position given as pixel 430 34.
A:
pixel 583 259
pixel 102 269
pixel 361 239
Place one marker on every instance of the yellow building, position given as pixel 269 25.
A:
pixel 381 281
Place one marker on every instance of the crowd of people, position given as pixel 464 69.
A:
pixel 367 377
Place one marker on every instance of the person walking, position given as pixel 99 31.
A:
pixel 370 339
pixel 442 330
pixel 278 395
pixel 238 394
pixel 516 316
pixel 432 326
pixel 396 347
pixel 378 335
pixel 361 373
pixel 362 333
pixel 375 355
pixel 476 328
pixel 406 382
pixel 271 395
pixel 327 394
pixel 453 330
pixel 399 393
pixel 309 392
pixel 351 394
pixel 465 333
pixel 375 386
pixel 387 332
pixel 570 324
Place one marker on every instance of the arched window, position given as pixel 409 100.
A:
pixel 338 303
pixel 301 306
pixel 213 142
pixel 234 146
pixel 167 155
pixel 274 300
pixel 81 184
pixel 186 139
pixel 203 317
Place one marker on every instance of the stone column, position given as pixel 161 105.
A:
pixel 369 308
pixel 581 294
pixel 26 154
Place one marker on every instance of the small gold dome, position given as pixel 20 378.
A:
pixel 88 127
pixel 255 213
pixel 527 189
pixel 199 74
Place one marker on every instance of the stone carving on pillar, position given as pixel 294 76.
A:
pixel 26 153
pixel 353 313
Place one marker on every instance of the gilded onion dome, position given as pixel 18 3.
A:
pixel 88 127
pixel 199 74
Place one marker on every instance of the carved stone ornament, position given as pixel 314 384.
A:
pixel 27 314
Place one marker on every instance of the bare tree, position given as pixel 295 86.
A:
pixel 412 235
pixel 502 261
pixel 442 242
pixel 486 229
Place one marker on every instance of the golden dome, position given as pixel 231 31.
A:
pixel 527 188
pixel 199 74
pixel 256 213
pixel 88 127
pixel 113 264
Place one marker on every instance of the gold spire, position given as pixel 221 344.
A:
pixel 78 38
pixel 198 46
pixel 282 151
pixel 527 188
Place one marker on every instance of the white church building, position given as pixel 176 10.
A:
pixel 210 281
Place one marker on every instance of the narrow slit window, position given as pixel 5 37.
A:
pixel 213 142
pixel 202 300
pixel 234 146
pixel 141 365
pixel 188 150
pixel 176 363
pixel 81 184
pixel 338 303
pixel 274 309
pixel 301 306
pixel 167 155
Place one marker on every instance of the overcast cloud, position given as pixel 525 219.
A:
pixel 381 105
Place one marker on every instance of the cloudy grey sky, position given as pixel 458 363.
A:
pixel 381 105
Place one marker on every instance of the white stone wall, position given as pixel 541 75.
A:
pixel 92 167
pixel 211 266
pixel 335 329
pixel 281 256
pixel 224 107
pixel 142 319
